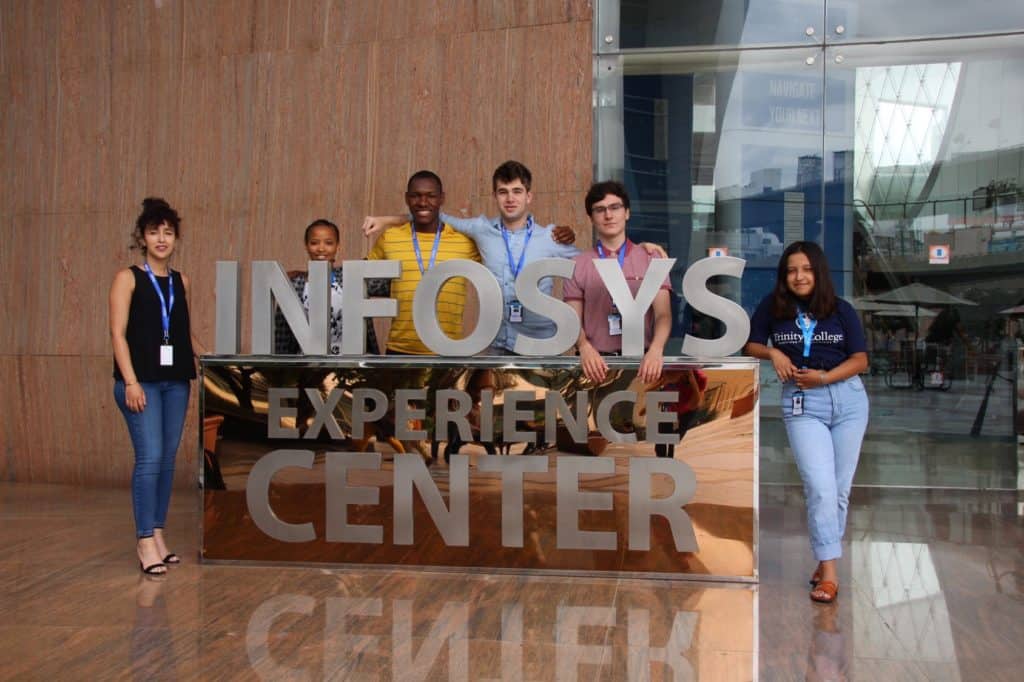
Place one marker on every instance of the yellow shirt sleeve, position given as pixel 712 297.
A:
pixel 378 250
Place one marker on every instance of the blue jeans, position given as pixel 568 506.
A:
pixel 826 441
pixel 155 434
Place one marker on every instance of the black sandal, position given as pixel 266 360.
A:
pixel 151 569
pixel 172 558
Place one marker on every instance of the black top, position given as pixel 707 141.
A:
pixel 835 338
pixel 145 331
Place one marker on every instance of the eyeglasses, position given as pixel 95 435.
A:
pixel 611 208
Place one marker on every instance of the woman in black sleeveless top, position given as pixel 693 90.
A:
pixel 153 364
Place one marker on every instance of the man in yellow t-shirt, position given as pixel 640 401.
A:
pixel 419 245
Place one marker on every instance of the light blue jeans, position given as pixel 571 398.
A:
pixel 826 441
pixel 155 434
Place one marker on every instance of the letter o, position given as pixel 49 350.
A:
pixel 424 307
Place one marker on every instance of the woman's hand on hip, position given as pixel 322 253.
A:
pixel 809 378
pixel 784 367
pixel 135 397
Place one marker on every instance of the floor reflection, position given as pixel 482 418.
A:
pixel 932 588
pixel 428 626
pixel 826 660
pixel 903 588
pixel 152 651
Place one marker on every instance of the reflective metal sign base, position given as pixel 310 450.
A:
pixel 493 464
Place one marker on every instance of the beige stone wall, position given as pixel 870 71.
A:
pixel 252 117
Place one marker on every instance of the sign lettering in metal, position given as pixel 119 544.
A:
pixel 502 463
pixel 492 463
pixel 270 284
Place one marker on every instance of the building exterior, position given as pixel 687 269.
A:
pixel 881 130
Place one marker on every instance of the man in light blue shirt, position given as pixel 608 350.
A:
pixel 506 244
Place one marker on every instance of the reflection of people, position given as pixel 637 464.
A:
pixel 152 647
pixel 945 326
pixel 420 244
pixel 939 340
pixel 322 240
pixel 153 363
pixel 824 406
pixel 690 384
pixel 826 661
pixel 607 204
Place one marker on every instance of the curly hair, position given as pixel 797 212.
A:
pixel 155 212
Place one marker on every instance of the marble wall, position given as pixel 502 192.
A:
pixel 252 117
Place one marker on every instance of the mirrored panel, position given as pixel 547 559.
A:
pixel 721 153
pixel 925 150
pixel 904 162
pixel 669 23
pixel 850 20
pixel 521 465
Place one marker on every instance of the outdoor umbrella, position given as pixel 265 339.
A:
pixel 905 311
pixel 1015 311
pixel 865 305
pixel 918 295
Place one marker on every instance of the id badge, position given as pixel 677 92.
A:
pixel 615 325
pixel 166 355
pixel 515 311
pixel 798 403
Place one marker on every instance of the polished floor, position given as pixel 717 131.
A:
pixel 933 589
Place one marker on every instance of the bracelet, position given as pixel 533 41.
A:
pixel 126 384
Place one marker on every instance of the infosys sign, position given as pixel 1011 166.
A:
pixel 551 505
pixel 270 285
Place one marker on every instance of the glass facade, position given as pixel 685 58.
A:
pixel 890 133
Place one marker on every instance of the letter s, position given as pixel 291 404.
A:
pixel 697 294
pixel 567 323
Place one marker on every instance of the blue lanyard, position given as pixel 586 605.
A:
pixel 165 304
pixel 807 330
pixel 433 252
pixel 622 252
pixel 508 246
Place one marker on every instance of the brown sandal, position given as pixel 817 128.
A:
pixel 815 577
pixel 826 587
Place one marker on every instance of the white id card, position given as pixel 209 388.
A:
pixel 166 355
pixel 798 403
pixel 615 325
pixel 515 311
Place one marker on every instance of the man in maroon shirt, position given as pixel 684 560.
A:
pixel 607 205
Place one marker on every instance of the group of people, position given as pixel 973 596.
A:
pixel 505 244
pixel 812 337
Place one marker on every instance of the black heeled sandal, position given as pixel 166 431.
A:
pixel 151 569
pixel 172 559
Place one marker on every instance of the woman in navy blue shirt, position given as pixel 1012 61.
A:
pixel 818 350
